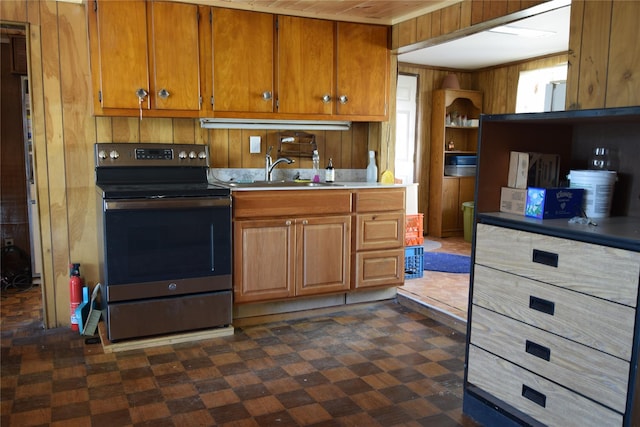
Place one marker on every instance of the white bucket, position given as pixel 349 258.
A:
pixel 598 190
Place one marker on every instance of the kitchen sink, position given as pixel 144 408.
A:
pixel 271 184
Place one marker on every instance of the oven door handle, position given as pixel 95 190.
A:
pixel 172 203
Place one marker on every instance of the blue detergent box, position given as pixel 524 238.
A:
pixel 549 203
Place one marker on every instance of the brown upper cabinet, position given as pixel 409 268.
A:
pixel 362 71
pixel 160 59
pixel 332 68
pixel 306 82
pixel 243 48
pixel 145 58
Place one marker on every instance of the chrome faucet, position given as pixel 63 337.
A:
pixel 269 164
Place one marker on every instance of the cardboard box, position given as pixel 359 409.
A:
pixel 513 200
pixel 549 203
pixel 533 170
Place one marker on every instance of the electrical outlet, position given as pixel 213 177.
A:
pixel 8 241
pixel 254 144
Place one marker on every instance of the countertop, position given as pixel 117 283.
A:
pixel 323 186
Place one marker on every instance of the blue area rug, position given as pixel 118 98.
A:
pixel 446 263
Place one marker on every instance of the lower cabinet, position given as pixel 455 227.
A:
pixel 281 258
pixel 378 257
pixel 298 243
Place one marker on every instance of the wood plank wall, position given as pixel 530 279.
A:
pixel 604 54
pixel 65 130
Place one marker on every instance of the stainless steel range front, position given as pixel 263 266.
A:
pixel 165 240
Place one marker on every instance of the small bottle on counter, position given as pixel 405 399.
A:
pixel 331 173
pixel 372 169
pixel 316 166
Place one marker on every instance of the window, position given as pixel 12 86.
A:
pixel 543 89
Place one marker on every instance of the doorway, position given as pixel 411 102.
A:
pixel 406 111
pixel 19 214
pixel 443 295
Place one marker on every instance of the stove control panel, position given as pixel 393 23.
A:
pixel 153 154
pixel 150 154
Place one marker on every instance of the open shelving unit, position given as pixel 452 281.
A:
pixel 454 132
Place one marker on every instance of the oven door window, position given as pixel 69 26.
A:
pixel 162 244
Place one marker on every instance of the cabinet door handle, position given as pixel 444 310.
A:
pixel 163 93
pixel 287 222
pixel 141 93
pixel 343 99
pixel 546 258
pixel 266 95
pixel 326 98
pixel 542 305
pixel 538 350
pixel 534 396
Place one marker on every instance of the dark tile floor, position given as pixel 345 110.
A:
pixel 377 364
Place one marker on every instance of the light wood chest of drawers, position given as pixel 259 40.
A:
pixel 553 328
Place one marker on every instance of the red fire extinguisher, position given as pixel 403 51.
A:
pixel 75 294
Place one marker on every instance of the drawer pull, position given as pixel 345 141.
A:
pixel 542 305
pixel 546 258
pixel 538 350
pixel 534 396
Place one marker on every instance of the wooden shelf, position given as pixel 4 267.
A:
pixel 447 192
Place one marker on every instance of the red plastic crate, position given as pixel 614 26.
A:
pixel 413 234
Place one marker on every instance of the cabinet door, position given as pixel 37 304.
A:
pixel 323 253
pixel 362 70
pixel 379 268
pixel 305 65
pixel 122 63
pixel 450 206
pixel 264 259
pixel 175 56
pixel 242 61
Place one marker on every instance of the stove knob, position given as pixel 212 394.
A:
pixel 192 155
pixel 114 154
pixel 182 154
pixel 202 155
pixel 102 154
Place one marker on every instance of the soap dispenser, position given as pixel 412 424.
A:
pixel 316 166
pixel 372 169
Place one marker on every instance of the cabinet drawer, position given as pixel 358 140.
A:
pixel 379 200
pixel 379 231
pixel 543 400
pixel 378 268
pixel 596 323
pixel 260 204
pixel 594 374
pixel 601 271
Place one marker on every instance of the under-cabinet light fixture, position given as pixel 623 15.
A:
pixel 274 124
